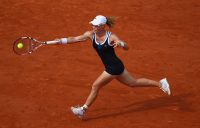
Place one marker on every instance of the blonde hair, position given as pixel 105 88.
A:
pixel 111 21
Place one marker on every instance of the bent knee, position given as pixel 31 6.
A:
pixel 95 87
pixel 132 84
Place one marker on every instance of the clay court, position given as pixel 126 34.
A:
pixel 37 90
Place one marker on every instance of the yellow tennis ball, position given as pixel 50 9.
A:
pixel 19 45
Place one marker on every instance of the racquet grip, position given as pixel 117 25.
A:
pixel 53 42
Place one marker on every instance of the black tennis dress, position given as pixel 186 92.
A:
pixel 113 65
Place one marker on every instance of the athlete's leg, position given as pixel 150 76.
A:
pixel 102 80
pixel 127 79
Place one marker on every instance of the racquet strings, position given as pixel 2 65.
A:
pixel 23 46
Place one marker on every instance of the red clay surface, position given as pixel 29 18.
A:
pixel 36 91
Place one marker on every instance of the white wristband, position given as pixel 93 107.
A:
pixel 122 44
pixel 64 40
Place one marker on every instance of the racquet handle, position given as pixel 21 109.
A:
pixel 53 42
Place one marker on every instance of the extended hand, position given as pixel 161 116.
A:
pixel 118 44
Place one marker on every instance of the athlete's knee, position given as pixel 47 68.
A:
pixel 132 83
pixel 95 87
pixel 136 82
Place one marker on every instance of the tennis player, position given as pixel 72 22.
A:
pixel 105 42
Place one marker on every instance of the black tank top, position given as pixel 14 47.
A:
pixel 106 52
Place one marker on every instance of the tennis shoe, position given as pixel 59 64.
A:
pixel 78 111
pixel 165 86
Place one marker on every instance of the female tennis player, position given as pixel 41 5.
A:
pixel 104 43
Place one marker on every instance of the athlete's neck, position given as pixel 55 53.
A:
pixel 101 33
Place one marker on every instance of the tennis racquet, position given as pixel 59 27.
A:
pixel 27 45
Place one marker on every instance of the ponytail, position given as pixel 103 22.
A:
pixel 111 21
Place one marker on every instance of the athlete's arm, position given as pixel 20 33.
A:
pixel 80 38
pixel 118 43
pixel 68 40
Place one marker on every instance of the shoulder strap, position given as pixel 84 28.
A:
pixel 109 34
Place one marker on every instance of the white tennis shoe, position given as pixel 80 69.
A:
pixel 78 111
pixel 165 86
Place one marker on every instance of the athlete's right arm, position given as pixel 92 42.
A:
pixel 74 39
pixel 80 38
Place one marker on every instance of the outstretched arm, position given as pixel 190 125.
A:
pixel 75 39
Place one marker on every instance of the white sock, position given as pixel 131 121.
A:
pixel 84 107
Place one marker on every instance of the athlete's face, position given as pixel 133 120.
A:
pixel 98 28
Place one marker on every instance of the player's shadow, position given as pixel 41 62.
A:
pixel 178 102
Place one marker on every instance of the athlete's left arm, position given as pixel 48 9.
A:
pixel 118 43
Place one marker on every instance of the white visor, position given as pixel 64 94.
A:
pixel 99 20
